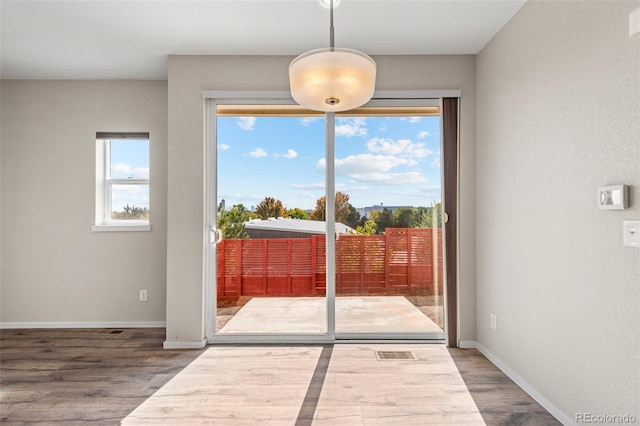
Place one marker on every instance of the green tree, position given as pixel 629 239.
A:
pixel 405 217
pixel 353 218
pixel 343 209
pixel 297 213
pixel 368 228
pixel 270 207
pixel 231 222
pixel 383 220
pixel 431 217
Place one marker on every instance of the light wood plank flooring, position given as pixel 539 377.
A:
pixel 93 377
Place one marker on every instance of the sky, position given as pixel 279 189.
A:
pixel 390 160
pixel 129 159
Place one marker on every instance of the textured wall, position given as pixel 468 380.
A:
pixel 190 75
pixel 558 115
pixel 54 269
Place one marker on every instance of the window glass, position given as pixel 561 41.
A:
pixel 129 159
pixel 130 202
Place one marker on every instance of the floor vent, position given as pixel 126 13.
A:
pixel 394 355
pixel 110 331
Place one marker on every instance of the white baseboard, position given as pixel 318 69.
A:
pixel 533 393
pixel 106 324
pixel 184 345
pixel 467 344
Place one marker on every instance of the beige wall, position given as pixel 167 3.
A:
pixel 54 269
pixel 558 115
pixel 190 75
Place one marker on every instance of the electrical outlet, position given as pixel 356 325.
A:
pixel 143 294
pixel 631 229
pixel 494 321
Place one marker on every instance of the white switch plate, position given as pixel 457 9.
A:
pixel 494 321
pixel 631 229
pixel 143 294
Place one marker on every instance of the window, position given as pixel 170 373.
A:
pixel 122 182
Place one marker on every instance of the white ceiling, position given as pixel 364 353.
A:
pixel 88 39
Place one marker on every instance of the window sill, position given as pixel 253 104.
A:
pixel 121 228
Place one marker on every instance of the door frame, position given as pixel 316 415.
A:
pixel 214 98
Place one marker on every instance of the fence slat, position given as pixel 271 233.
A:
pixel 400 262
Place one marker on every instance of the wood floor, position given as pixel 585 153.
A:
pixel 73 377
pixel 98 377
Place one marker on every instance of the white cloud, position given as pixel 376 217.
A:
pixel 129 190
pixel 383 128
pixel 133 195
pixel 126 171
pixel 316 185
pixel 258 152
pixel 223 147
pixel 435 163
pixel 375 169
pixel 246 123
pixel 307 195
pixel 426 195
pixel 411 119
pixel 363 163
pixel 402 178
pixel 352 188
pixel 423 134
pixel 351 127
pixel 401 147
pixel 307 121
pixel 291 154
pixel 368 162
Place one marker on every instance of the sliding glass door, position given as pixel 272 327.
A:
pixel 270 257
pixel 389 190
pixel 287 186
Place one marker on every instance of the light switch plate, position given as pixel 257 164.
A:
pixel 631 237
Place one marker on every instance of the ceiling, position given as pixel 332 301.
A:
pixel 89 39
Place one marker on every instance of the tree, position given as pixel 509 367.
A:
pixel 383 219
pixel 368 228
pixel 431 217
pixel 131 212
pixel 405 217
pixel 231 222
pixel 297 213
pixel 319 213
pixel 270 207
pixel 343 209
pixel 353 218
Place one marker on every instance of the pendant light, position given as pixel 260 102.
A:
pixel 332 79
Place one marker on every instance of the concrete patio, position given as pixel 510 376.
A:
pixel 354 314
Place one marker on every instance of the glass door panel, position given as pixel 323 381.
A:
pixel 389 257
pixel 271 260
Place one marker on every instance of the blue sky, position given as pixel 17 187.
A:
pixel 129 159
pixel 389 160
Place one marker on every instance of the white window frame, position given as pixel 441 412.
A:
pixel 104 184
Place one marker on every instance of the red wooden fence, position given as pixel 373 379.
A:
pixel 399 262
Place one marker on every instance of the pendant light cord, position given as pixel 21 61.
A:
pixel 331 37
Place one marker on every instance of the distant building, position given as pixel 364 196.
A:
pixel 366 211
pixel 291 228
